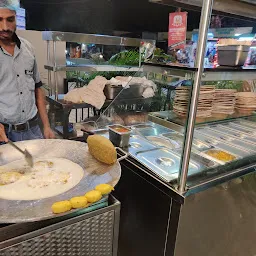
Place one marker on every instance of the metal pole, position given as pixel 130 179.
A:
pixel 49 72
pixel 55 72
pixel 201 49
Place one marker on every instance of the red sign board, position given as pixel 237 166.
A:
pixel 177 29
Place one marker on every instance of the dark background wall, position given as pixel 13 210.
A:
pixel 104 16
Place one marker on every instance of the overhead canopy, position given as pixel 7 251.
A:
pixel 242 8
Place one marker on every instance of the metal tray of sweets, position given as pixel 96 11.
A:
pixel 163 142
pixel 239 127
pixel 144 126
pixel 179 138
pixel 139 144
pixel 155 130
pixel 221 142
pixel 177 147
pixel 207 154
pixel 246 123
pixel 232 133
pixel 240 143
pixel 198 158
pixel 165 163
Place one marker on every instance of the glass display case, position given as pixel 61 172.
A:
pixel 192 127
pixel 190 179
pixel 86 57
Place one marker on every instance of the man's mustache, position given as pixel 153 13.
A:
pixel 6 31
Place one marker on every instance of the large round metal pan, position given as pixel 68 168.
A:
pixel 94 173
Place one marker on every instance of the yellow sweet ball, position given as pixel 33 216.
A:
pixel 61 207
pixel 93 196
pixel 102 149
pixel 78 202
pixel 104 188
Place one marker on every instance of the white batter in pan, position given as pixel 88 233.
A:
pixel 49 177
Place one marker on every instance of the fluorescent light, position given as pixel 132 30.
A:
pixel 237 34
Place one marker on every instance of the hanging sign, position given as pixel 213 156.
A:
pixel 177 30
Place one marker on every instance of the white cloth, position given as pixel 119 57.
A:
pixel 91 94
pixel 148 93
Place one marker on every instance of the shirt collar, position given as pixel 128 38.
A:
pixel 16 40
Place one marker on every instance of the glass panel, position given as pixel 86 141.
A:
pixel 154 142
pixel 231 138
pixel 82 54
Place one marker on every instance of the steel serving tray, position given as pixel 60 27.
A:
pixel 95 173
pixel 139 144
pixel 200 159
pixel 143 126
pixel 165 163
pixel 204 154
pixel 154 131
pixel 163 142
pixel 232 133
pixel 134 91
pixel 206 139
pixel 179 138
pixel 222 142
pixel 119 139
pixel 212 132
pixel 241 128
pixel 246 123
pixel 232 55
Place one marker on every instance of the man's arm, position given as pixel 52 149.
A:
pixel 3 137
pixel 41 106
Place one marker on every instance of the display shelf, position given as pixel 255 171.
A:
pixel 172 70
pixel 65 108
pixel 70 105
pixel 229 7
pixel 210 74
pixel 181 120
pixel 92 39
pixel 92 68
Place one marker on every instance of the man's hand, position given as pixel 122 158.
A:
pixel 48 133
pixel 40 102
pixel 3 137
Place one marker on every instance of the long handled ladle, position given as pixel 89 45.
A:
pixel 27 155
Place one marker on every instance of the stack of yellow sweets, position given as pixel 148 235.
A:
pixel 82 201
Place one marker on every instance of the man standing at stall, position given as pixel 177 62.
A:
pixel 22 100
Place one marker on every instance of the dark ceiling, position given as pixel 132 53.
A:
pixel 105 16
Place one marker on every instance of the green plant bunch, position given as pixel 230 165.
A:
pixel 238 85
pixel 125 58
pixel 160 56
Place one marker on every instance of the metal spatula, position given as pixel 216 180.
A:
pixel 27 155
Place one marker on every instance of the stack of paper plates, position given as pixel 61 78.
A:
pixel 246 101
pixel 204 107
pixel 224 102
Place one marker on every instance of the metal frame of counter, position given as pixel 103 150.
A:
pixel 92 233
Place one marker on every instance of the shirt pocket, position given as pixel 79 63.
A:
pixel 29 63
pixel 30 83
